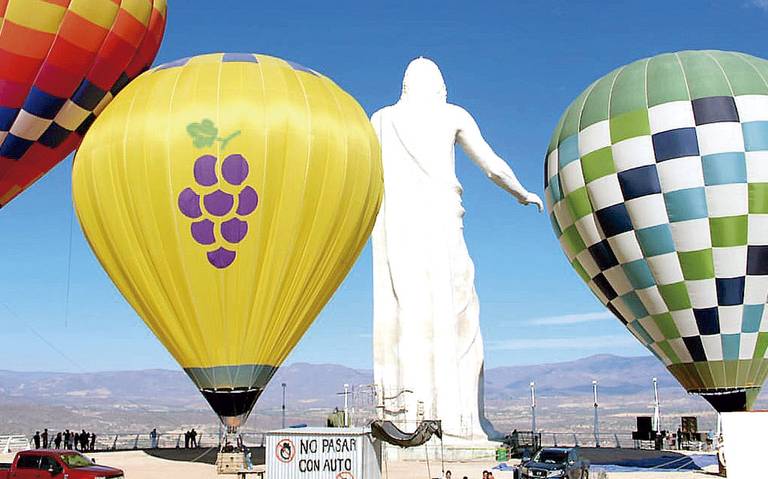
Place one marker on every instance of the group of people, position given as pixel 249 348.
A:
pixel 86 441
pixel 79 441
pixel 190 438
pixel 486 475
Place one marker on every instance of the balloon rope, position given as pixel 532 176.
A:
pixel 69 252
pixel 160 416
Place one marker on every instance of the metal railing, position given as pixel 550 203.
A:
pixel 586 439
pixel 617 439
pixel 9 444
pixel 133 441
pixel 169 440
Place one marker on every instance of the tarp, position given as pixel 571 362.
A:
pixel 661 464
pixel 388 432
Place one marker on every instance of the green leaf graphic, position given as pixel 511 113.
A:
pixel 203 134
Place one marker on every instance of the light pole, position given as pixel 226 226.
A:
pixel 533 407
pixel 283 405
pixel 597 428
pixel 346 405
pixel 656 413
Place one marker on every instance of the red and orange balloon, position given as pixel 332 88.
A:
pixel 61 62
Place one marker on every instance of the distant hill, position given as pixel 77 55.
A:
pixel 617 376
pixel 314 385
pixel 136 400
pixel 317 385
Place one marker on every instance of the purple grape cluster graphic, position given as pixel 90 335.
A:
pixel 211 206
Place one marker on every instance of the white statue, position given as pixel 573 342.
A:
pixel 426 330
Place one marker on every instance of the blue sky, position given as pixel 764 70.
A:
pixel 514 64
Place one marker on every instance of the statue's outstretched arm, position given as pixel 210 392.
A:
pixel 477 149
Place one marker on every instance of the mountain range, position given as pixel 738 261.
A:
pixel 134 400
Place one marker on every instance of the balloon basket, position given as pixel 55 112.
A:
pixel 231 462
pixel 234 458
pixel 231 442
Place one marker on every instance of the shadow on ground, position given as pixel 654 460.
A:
pixel 202 455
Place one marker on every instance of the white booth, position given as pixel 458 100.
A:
pixel 323 453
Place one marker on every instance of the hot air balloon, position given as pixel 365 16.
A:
pixel 656 181
pixel 227 196
pixel 61 62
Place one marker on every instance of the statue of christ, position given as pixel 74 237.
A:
pixel 428 350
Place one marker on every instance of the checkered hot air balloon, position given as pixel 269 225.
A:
pixel 657 187
pixel 61 62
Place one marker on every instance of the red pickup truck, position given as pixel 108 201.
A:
pixel 46 463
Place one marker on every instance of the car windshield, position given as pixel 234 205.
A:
pixel 76 460
pixel 551 457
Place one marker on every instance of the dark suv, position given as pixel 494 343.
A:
pixel 556 462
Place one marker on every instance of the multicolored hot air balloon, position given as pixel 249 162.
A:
pixel 61 62
pixel 657 186
pixel 227 196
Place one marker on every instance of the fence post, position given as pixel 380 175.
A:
pixel 178 438
pixel 618 444
pixel 575 440
pixel 136 442
pixel 554 438
pixel 114 443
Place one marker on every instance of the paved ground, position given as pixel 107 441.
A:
pixel 139 465
pixel 474 470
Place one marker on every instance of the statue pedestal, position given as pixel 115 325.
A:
pixel 452 450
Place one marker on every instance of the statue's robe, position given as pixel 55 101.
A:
pixel 426 313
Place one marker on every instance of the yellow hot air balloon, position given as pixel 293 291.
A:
pixel 227 196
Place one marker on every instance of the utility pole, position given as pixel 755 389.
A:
pixel 533 407
pixel 346 405
pixel 656 413
pixel 283 405
pixel 597 428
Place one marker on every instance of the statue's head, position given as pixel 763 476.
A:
pixel 423 82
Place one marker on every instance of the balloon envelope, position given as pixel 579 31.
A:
pixel 657 186
pixel 61 62
pixel 227 196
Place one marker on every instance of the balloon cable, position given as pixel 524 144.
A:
pixel 159 415
pixel 69 259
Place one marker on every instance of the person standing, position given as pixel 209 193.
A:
pixel 67 439
pixel 57 440
pixel 193 438
pixel 93 442
pixel 153 439
pixel 36 439
pixel 44 436
pixel 186 440
pixel 83 441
